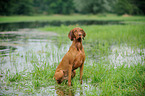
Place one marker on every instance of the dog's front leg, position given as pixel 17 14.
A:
pixel 81 72
pixel 69 75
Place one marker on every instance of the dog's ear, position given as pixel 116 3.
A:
pixel 84 34
pixel 71 35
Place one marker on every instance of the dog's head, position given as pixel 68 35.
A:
pixel 76 33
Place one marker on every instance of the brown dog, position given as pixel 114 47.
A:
pixel 73 59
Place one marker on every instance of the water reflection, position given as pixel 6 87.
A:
pixel 12 40
pixel 36 24
pixel 62 91
pixel 5 50
pixel 70 91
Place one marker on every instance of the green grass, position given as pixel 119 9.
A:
pixel 100 76
pixel 119 81
pixel 69 18
pixel 108 35
pixel 122 80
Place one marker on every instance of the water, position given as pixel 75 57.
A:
pixel 27 40
pixel 27 45
pixel 5 50
pixel 36 24
pixel 124 54
pixel 11 40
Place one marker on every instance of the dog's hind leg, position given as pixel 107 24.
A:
pixel 73 73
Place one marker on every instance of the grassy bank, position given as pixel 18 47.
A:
pixel 7 19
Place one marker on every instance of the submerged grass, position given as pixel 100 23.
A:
pixel 100 76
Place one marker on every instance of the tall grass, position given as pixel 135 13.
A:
pixel 120 81
pixel 108 35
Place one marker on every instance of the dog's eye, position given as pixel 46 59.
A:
pixel 81 30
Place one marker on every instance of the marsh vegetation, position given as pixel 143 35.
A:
pixel 115 60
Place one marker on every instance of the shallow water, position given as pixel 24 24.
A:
pixel 29 41
pixel 127 56
pixel 33 46
pixel 20 48
pixel 36 24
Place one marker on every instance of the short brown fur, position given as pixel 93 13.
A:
pixel 73 59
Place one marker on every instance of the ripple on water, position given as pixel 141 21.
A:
pixel 126 55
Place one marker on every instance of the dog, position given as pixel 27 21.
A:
pixel 73 59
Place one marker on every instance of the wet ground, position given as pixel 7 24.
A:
pixel 17 48
pixel 16 45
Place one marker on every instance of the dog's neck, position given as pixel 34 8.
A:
pixel 77 44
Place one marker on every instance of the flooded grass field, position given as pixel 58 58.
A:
pixel 115 61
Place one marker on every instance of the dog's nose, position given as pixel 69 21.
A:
pixel 80 34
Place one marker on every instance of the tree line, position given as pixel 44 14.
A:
pixel 46 7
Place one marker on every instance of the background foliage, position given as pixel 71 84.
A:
pixel 33 7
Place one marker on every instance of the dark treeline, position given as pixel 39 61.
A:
pixel 33 7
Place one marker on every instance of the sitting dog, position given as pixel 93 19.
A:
pixel 73 59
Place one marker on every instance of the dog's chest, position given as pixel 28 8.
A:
pixel 79 59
